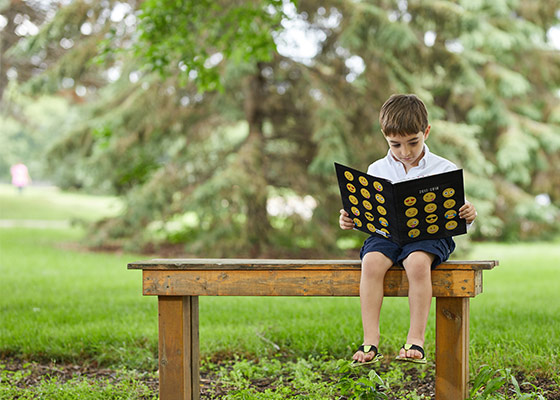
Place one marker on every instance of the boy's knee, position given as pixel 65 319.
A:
pixel 418 265
pixel 375 264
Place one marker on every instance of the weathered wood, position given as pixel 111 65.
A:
pixel 452 348
pixel 178 282
pixel 178 348
pixel 334 282
pixel 255 264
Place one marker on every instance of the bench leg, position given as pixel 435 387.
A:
pixel 452 348
pixel 178 348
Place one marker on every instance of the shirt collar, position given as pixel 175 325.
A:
pixel 424 159
pixel 421 163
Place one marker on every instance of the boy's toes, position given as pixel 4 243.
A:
pixel 359 356
pixel 364 357
pixel 410 352
pixel 368 356
pixel 413 354
pixel 365 354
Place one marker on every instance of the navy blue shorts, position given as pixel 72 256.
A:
pixel 440 248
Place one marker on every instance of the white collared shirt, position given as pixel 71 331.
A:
pixel 393 170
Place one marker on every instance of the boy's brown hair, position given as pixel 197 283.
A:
pixel 403 114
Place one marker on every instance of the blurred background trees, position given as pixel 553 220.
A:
pixel 218 122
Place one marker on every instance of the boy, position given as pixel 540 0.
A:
pixel 404 123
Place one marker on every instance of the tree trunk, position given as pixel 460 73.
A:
pixel 252 159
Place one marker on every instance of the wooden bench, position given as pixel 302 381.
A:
pixel 179 282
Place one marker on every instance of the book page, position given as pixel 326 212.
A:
pixel 428 208
pixel 369 201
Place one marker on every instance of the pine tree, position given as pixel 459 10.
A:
pixel 208 120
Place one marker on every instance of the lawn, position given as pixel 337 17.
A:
pixel 50 203
pixel 62 303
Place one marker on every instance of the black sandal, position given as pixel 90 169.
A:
pixel 409 346
pixel 367 348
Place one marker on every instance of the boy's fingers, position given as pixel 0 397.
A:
pixel 466 209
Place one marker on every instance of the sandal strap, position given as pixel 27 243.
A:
pixel 366 348
pixel 409 346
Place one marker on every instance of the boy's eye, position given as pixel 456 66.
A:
pixel 398 144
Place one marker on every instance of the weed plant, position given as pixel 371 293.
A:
pixel 495 384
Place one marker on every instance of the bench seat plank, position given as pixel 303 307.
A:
pixel 256 264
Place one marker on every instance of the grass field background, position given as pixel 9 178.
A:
pixel 50 203
pixel 61 302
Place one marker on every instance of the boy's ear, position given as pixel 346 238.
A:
pixel 427 132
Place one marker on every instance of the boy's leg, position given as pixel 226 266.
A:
pixel 374 267
pixel 418 271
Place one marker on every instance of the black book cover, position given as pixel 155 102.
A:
pixel 407 211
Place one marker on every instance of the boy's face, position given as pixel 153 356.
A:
pixel 408 149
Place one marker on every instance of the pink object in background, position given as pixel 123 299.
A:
pixel 20 175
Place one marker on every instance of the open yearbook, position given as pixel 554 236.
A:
pixel 417 209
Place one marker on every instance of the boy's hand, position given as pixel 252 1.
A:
pixel 345 221
pixel 468 212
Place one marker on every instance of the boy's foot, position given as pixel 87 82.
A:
pixel 366 354
pixel 412 353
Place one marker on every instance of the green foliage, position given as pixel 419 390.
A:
pixel 29 126
pixel 124 386
pixel 489 381
pixel 330 135
pixel 164 131
pixel 361 387
pixel 192 38
pixel 322 378
pixel 309 378
pixel 515 153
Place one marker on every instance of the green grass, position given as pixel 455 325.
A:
pixel 65 304
pixel 123 385
pixel 515 322
pixel 49 203
pixel 62 303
